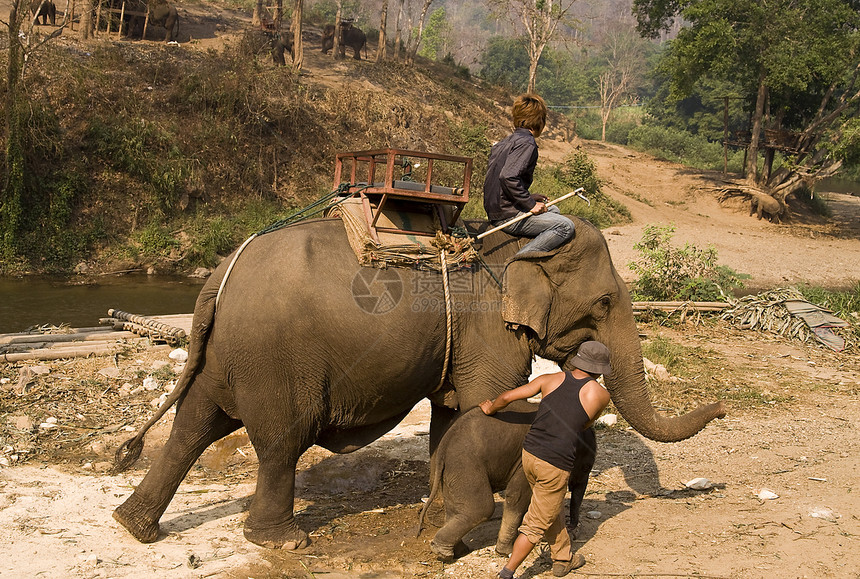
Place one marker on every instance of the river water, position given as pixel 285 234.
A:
pixel 35 301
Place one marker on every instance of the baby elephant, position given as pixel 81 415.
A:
pixel 478 456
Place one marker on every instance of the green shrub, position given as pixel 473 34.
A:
pixel 668 273
pixel 682 147
pixel 577 170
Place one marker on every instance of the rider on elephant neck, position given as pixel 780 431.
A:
pixel 510 173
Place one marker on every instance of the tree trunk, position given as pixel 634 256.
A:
pixel 86 19
pixel 397 38
pixel 296 29
pixel 279 16
pixel 383 20
pixel 752 150
pixel 13 191
pixel 414 51
pixel 257 16
pixel 338 31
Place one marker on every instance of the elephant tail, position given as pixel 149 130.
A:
pixel 434 490
pixel 204 314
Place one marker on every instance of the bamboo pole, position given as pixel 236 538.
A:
pixel 59 353
pixel 524 215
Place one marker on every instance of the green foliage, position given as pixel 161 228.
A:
pixel 155 241
pixel 324 11
pixel 668 273
pixel 575 171
pixel 682 147
pixel 844 303
pixel 662 350
pixel 436 35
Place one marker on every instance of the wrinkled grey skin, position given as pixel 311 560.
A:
pixel 47 10
pixel 304 350
pixel 480 455
pixel 352 37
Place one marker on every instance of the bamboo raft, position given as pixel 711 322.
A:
pixel 116 331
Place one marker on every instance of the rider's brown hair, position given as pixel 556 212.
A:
pixel 529 112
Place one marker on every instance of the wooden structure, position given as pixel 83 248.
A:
pixel 370 175
pixel 125 9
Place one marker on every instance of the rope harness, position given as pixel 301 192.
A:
pixel 463 251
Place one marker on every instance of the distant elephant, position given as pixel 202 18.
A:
pixel 281 44
pixel 161 13
pixel 350 35
pixel 46 9
pixel 762 203
pixel 309 347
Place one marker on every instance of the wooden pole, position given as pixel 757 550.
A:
pixel 521 217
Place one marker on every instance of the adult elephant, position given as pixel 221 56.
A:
pixel 161 13
pixel 350 35
pixel 45 9
pixel 307 347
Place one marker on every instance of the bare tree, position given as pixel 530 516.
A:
pixel 397 22
pixel 410 54
pixel 623 61
pixel 296 29
pixel 338 31
pixel 383 20
pixel 540 19
pixel 24 40
pixel 257 16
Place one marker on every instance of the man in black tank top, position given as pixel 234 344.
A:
pixel 570 401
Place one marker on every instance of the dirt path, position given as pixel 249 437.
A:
pixel 661 193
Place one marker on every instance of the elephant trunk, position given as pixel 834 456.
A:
pixel 631 397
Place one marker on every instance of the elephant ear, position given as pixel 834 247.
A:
pixel 526 296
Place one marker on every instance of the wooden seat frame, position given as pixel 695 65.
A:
pixel 374 161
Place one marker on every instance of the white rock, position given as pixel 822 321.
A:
pixel 698 484
pixel 594 514
pixel 150 383
pixel 660 372
pixel 649 365
pixel 5 380
pixel 607 420
pixel 168 388
pixel 4 461
pixel 110 372
pixel 178 355
pixel 51 420
pixel 128 428
pixel 766 495
pixel 824 513
pixel 40 370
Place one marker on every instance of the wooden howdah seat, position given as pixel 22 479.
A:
pixel 370 176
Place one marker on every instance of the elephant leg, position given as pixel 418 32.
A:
pixel 357 53
pixel 199 422
pixel 270 521
pixel 466 507
pixel 586 452
pixel 518 494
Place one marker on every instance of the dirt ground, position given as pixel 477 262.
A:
pixel 792 430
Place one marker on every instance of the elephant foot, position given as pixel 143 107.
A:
pixel 142 528
pixel 448 554
pixel 505 549
pixel 289 540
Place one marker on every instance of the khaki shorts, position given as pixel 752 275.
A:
pixel 545 517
